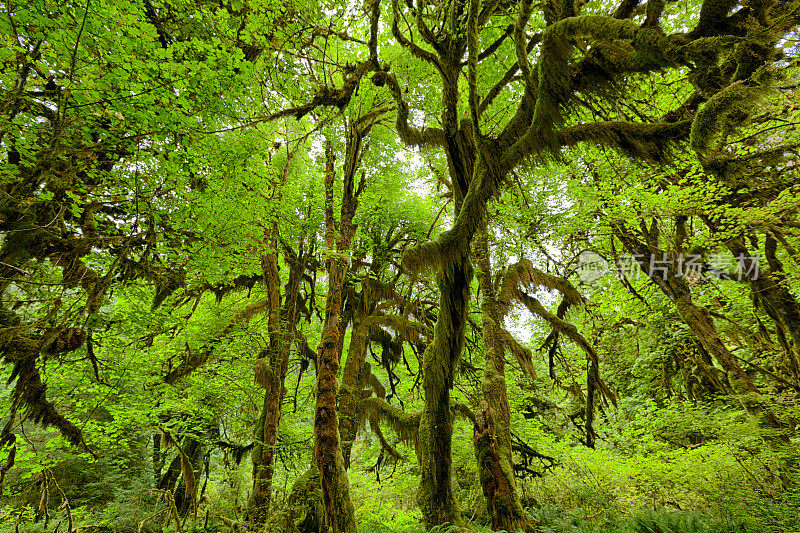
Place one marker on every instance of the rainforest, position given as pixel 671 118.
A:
pixel 385 266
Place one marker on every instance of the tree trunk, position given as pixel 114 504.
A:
pixel 492 426
pixel 349 395
pixel 172 479
pixel 435 494
pixel 702 325
pixel 770 291
pixel 271 376
pixel 304 511
pixel 328 454
pixel 272 373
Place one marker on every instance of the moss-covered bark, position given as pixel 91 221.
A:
pixel 305 511
pixel 339 511
pixel 701 323
pixel 271 371
pixel 492 425
pixel 435 495
pixel 349 395
pixel 339 241
pixel 770 292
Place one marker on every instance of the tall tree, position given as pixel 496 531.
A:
pixel 493 448
pixel 582 60
pixel 339 236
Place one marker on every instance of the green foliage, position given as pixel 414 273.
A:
pixel 558 520
pixel 146 183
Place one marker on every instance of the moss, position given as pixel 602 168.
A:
pixel 406 425
pixel 305 512
pixel 653 11
pixel 523 273
pixel 554 72
pixel 29 390
pixel 650 142
pixel 729 107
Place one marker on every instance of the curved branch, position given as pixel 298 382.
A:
pixel 426 33
pixel 522 274
pixel 408 134
pixel 409 45
pixel 508 77
pixel 329 97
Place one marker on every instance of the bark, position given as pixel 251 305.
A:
pixel 492 439
pixel 305 512
pixel 172 479
pixel 770 291
pixel 273 365
pixel 435 495
pixel 281 326
pixel 328 452
pixel 350 393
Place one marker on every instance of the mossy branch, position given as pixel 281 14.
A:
pixel 554 73
pixel 732 105
pixel 523 274
pixel 408 134
pixel 427 255
pixel 649 142
pixel 326 96
pixel 194 359
pixel 407 330
pixel 521 353
pixel 404 424
pixel 415 49
pixel 472 64
pixel 463 410
pixel 525 8
pixel 626 9
pixel 570 331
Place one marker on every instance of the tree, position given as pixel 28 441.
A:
pixel 145 205
pixel 612 49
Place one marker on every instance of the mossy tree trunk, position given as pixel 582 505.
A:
pixel 349 395
pixel 770 292
pixel 492 425
pixel 435 495
pixel 339 240
pixel 173 479
pixel 272 368
pixel 327 453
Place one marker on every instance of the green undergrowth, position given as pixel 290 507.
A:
pixel 554 519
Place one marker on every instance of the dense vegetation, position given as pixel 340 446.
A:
pixel 432 265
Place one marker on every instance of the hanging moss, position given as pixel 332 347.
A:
pixel 732 105
pixel 650 142
pixel 187 470
pixel 31 392
pixel 555 82
pixel 521 353
pixel 404 424
pixel 522 274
